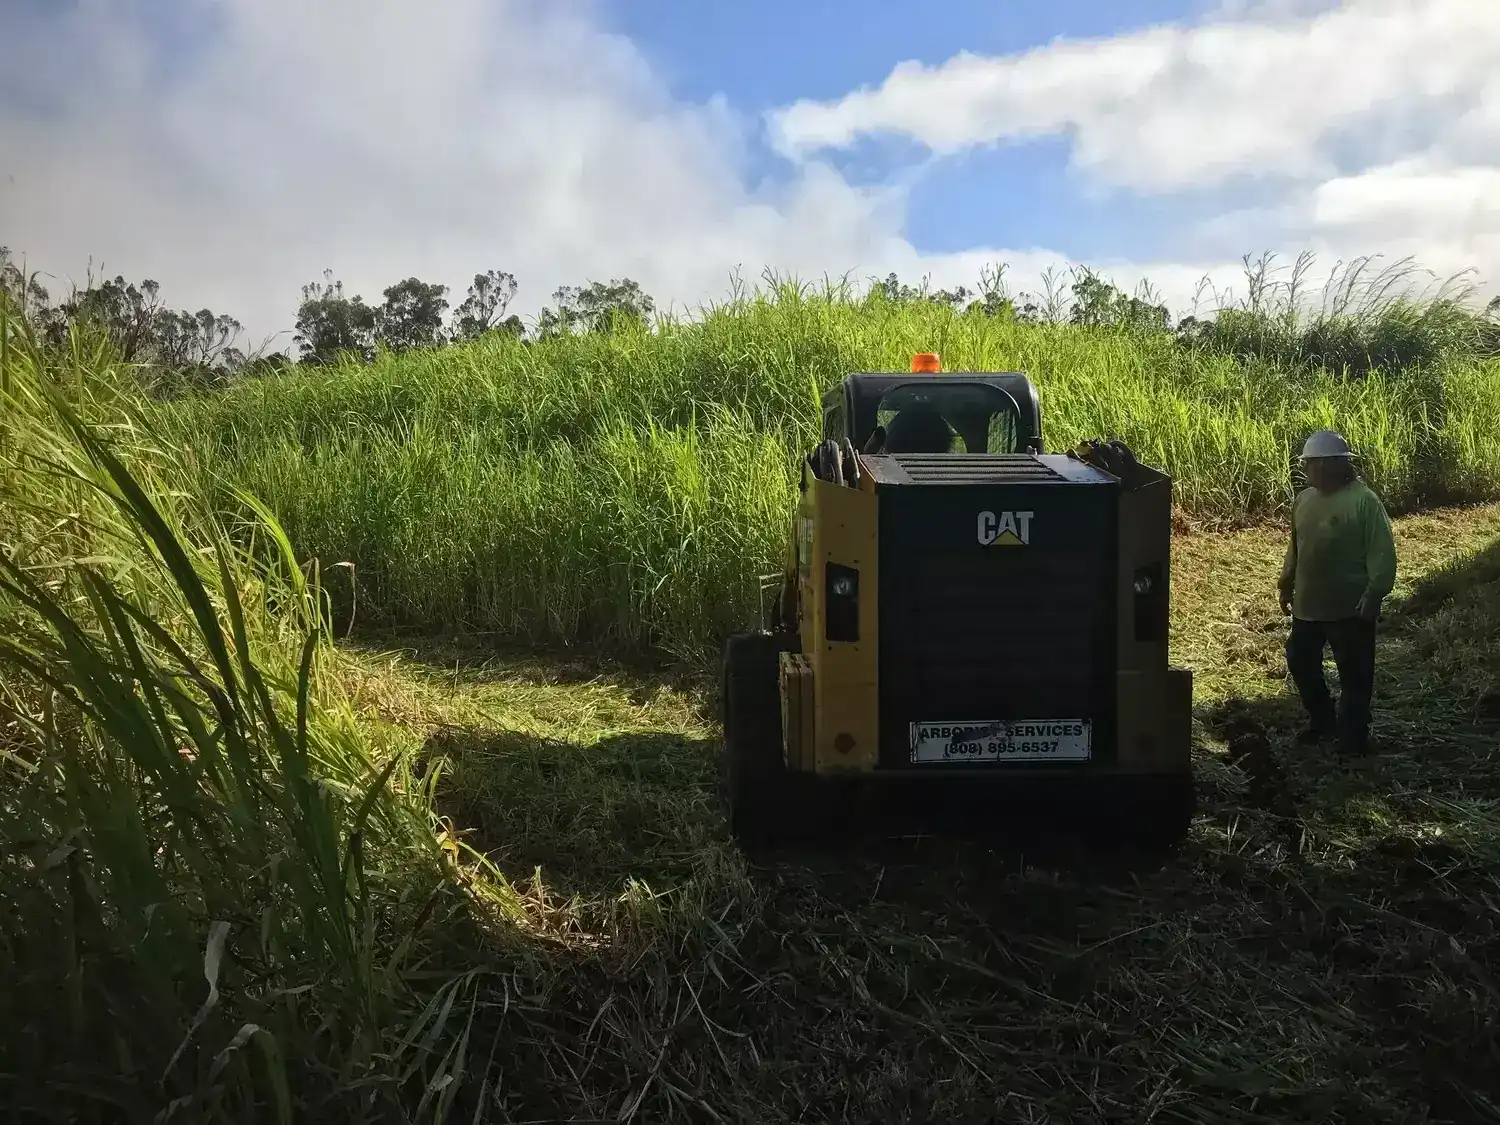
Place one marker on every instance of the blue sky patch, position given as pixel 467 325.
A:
pixel 770 54
pixel 773 52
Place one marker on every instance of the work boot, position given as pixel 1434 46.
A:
pixel 1314 733
pixel 1353 748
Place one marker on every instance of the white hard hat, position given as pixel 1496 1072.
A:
pixel 1326 443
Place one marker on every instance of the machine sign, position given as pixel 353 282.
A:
pixel 1014 740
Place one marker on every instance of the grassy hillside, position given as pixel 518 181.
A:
pixel 248 876
pixel 633 487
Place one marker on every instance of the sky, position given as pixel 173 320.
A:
pixel 234 150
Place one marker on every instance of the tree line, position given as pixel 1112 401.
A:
pixel 203 346
pixel 1369 318
pixel 196 350
pixel 196 347
pixel 331 323
pixel 181 350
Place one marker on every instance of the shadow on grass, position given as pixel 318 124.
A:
pixel 649 805
pixel 474 659
pixel 1325 947
pixel 1397 854
pixel 945 979
pixel 1437 698
pixel 593 815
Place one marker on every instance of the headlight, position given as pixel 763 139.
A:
pixel 1152 615
pixel 841 586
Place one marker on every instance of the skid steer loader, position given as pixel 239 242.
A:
pixel 964 618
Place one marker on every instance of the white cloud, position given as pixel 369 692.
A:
pixel 373 138
pixel 379 141
pixel 1446 217
pixel 1175 107
pixel 1361 126
pixel 1410 194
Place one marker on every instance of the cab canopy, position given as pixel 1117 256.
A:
pixel 985 412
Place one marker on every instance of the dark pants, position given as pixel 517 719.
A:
pixel 1353 644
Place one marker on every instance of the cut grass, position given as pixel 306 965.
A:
pixel 1324 947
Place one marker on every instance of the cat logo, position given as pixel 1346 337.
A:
pixel 1008 529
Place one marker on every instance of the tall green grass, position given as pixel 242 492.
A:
pixel 213 881
pixel 222 896
pixel 559 540
pixel 1367 318
pixel 634 487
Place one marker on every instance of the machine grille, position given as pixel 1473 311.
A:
pixel 976 468
pixel 1016 630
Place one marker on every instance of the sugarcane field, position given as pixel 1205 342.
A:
pixel 478 828
pixel 833 670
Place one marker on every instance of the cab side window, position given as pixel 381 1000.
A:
pixel 1002 432
pixel 833 423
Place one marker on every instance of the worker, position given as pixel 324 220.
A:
pixel 918 429
pixel 1339 566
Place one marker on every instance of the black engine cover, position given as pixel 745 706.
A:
pixel 997 595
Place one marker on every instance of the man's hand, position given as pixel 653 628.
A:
pixel 1284 598
pixel 1368 608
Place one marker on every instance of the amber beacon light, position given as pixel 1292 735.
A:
pixel 926 362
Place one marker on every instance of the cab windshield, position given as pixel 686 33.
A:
pixel 948 417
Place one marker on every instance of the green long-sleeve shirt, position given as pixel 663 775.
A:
pixel 1341 551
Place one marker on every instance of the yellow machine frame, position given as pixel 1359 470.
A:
pixel 830 691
